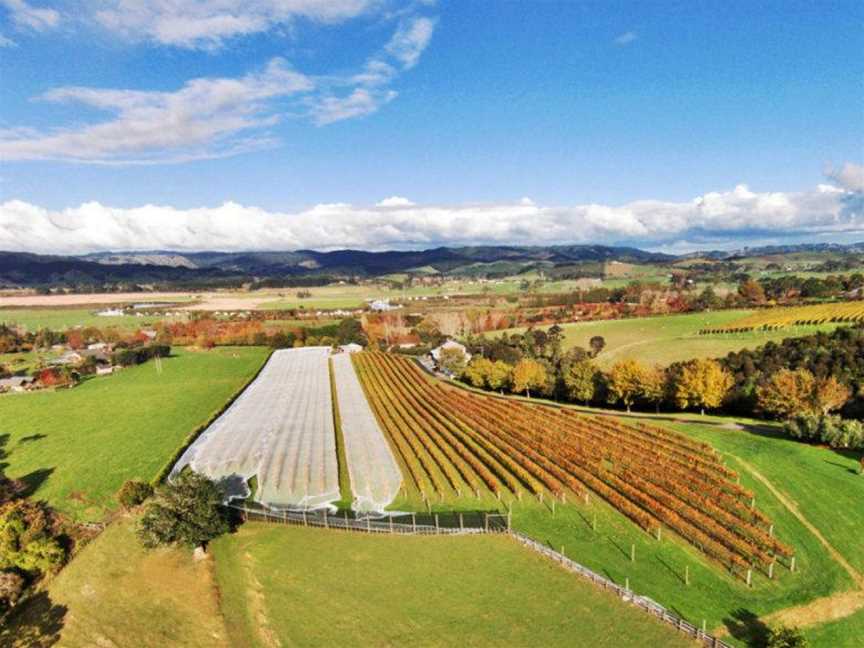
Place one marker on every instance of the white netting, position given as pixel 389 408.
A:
pixel 375 475
pixel 280 429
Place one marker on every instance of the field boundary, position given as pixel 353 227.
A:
pixel 421 523
pixel 625 594
pixel 198 431
pixel 493 525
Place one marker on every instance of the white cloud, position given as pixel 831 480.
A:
pixel 205 118
pixel 30 17
pixel 626 38
pixel 359 103
pixel 213 118
pixel 395 201
pixel 410 40
pixel 850 176
pixel 7 42
pixel 209 24
pixel 716 218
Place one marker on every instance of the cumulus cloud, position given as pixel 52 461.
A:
pixel 850 176
pixel 27 16
pixel 209 24
pixel 626 38
pixel 214 117
pixel 397 223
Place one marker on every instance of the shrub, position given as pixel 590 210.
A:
pixel 11 588
pixel 833 430
pixel 133 493
pixel 784 637
pixel 27 539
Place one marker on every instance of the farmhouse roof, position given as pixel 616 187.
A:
pixel 450 344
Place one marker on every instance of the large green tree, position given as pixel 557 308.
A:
pixel 186 511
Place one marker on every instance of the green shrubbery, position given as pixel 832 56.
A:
pixel 134 493
pixel 832 430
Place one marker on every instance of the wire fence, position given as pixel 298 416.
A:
pixel 469 522
pixel 626 594
pixel 451 523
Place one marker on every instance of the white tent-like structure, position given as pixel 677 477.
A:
pixel 280 430
pixel 375 475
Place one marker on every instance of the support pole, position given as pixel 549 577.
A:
pixel 414 522
pixel 632 553
pixel 686 574
pixel 437 529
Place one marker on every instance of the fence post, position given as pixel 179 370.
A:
pixel 508 523
pixel 390 517
pixel 368 526
pixel 486 522
pixel 686 574
pixel 305 521
pixel 437 530
pixel 633 552
pixel 346 518
pixel 461 525
pixel 326 524
pixel 414 522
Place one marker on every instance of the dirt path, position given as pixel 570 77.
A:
pixel 792 505
pixel 823 610
pixel 258 607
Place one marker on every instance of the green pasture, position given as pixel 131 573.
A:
pixel 664 339
pixel 312 587
pixel 64 318
pixel 116 593
pixel 843 633
pixel 76 447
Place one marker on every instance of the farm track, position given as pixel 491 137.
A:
pixel 821 610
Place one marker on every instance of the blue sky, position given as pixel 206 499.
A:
pixel 460 107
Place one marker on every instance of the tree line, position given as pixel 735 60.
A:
pixel 803 381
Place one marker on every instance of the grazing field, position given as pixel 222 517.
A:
pixel 63 318
pixel 76 447
pixel 310 587
pixel 114 593
pixel 454 440
pixel 375 475
pixel 279 430
pixel 844 633
pixel 665 339
pixel 771 319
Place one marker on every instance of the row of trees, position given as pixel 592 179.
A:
pixel 698 384
pixel 809 377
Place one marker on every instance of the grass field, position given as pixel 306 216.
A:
pixel 63 318
pixel 845 633
pixel 114 593
pixel 666 339
pixel 76 447
pixel 308 587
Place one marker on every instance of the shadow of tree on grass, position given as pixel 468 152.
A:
pixel 35 623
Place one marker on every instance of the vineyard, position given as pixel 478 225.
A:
pixel 454 441
pixel 771 319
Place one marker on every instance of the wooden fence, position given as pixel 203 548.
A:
pixel 474 522
pixel 625 594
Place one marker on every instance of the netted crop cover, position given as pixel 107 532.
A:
pixel 375 475
pixel 280 430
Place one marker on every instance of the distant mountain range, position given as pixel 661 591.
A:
pixel 211 268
